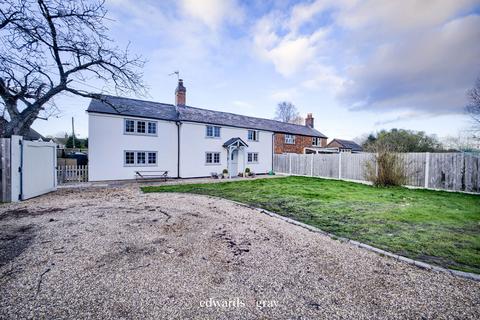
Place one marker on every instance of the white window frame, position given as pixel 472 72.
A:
pixel 255 135
pixel 135 158
pixel 135 127
pixel 125 126
pixel 289 139
pixel 214 129
pixel 213 154
pixel 316 141
pixel 251 157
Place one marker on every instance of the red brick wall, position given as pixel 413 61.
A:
pixel 301 142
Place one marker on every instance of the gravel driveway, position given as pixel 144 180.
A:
pixel 118 253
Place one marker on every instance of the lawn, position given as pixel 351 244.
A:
pixel 437 227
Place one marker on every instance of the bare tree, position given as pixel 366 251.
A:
pixel 52 47
pixel 287 112
pixel 473 108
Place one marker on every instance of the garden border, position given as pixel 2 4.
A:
pixel 419 264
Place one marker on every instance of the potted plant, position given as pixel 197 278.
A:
pixel 224 173
pixel 247 172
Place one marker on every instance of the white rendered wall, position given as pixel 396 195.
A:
pixel 107 143
pixel 194 144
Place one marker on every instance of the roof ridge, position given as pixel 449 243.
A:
pixel 140 100
pixel 242 115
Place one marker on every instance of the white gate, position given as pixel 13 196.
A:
pixel 38 168
pixel 28 168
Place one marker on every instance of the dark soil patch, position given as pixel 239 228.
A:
pixel 22 213
pixel 13 241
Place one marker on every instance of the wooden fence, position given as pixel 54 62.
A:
pixel 66 174
pixel 449 171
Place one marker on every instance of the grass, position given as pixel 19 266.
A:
pixel 437 227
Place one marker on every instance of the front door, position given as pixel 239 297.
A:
pixel 234 163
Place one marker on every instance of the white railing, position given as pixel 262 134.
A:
pixel 68 174
pixel 448 171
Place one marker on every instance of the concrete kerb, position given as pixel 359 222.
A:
pixel 419 264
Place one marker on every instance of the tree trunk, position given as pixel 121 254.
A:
pixel 19 123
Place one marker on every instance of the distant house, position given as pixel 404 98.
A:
pixel 341 145
pixel 129 135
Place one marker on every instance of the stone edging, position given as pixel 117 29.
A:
pixel 423 265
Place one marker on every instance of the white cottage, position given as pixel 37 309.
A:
pixel 128 135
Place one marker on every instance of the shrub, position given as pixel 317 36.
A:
pixel 225 171
pixel 247 170
pixel 387 169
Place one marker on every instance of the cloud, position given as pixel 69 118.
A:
pixel 430 72
pixel 289 53
pixel 400 16
pixel 213 12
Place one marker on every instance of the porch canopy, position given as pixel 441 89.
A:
pixel 235 142
pixel 233 145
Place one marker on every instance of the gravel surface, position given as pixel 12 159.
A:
pixel 118 253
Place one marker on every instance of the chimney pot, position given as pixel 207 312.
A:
pixel 309 120
pixel 180 94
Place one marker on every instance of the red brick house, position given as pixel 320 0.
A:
pixel 289 143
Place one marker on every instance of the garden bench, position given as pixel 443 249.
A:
pixel 151 175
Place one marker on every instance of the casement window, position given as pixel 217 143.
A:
pixel 152 128
pixel 152 158
pixel 253 135
pixel 212 158
pixel 129 157
pixel 316 141
pixel 140 158
pixel 213 132
pixel 129 126
pixel 289 139
pixel 252 157
pixel 140 127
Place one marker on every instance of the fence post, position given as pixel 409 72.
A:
pixel 311 166
pixel 427 168
pixel 290 163
pixel 340 165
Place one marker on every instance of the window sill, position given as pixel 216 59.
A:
pixel 140 165
pixel 141 134
pixel 213 164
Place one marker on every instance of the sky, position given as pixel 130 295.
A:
pixel 358 66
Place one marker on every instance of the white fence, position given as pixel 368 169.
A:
pixel 66 174
pixel 449 171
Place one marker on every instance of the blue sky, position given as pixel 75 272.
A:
pixel 358 66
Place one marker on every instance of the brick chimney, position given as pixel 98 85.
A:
pixel 309 120
pixel 180 94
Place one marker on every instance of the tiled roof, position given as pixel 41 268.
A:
pixel 348 144
pixel 162 111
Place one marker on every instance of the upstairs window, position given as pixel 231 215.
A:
pixel 152 128
pixel 140 127
pixel 129 126
pixel 289 139
pixel 253 135
pixel 213 132
pixel 316 141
